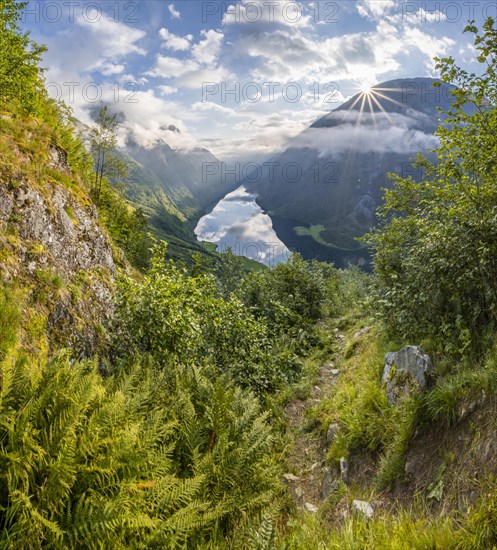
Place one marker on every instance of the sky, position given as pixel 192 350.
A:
pixel 238 78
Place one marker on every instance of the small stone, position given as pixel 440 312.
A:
pixel 409 467
pixel 290 478
pixel 361 332
pixel 335 372
pixel 299 492
pixel 335 330
pixel 344 469
pixel 363 508
pixel 317 388
pixel 331 433
pixel 327 483
pixel 310 507
pixel 315 466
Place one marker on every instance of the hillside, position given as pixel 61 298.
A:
pixel 329 201
pixel 173 191
pixel 151 403
pixel 54 253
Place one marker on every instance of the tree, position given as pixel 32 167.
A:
pixel 103 143
pixel 229 273
pixel 20 75
pixel 435 251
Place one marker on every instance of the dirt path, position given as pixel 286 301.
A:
pixel 306 458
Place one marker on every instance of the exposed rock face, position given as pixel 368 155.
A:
pixel 48 230
pixel 67 234
pixel 405 371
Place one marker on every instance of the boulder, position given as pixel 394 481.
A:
pixel 405 371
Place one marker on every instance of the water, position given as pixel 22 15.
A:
pixel 237 221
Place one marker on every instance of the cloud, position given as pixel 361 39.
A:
pixel 208 107
pixel 431 46
pixel 107 68
pixel 167 90
pixel 259 14
pixel 199 68
pixel 208 49
pixel 171 67
pixel 113 39
pixel 196 78
pixel 174 42
pixel 368 133
pixel 375 9
pixel 175 14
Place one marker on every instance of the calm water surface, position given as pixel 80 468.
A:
pixel 237 221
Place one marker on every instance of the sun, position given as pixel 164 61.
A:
pixel 365 87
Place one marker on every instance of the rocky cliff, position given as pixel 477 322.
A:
pixel 53 250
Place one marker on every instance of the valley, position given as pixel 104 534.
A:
pixel 189 359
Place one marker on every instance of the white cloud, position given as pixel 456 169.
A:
pixel 369 133
pixel 197 77
pixel 167 90
pixel 174 42
pixel 431 46
pixel 113 39
pixel 171 67
pixel 175 14
pixel 375 9
pixel 208 49
pixel 261 13
pixel 209 107
pixel 107 68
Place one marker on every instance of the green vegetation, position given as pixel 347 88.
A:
pixel 436 260
pixel 170 431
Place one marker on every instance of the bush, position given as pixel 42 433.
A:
pixel 181 319
pixel 291 295
pixel 435 251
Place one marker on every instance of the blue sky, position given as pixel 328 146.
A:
pixel 170 66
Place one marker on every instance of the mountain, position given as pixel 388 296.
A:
pixel 174 190
pixel 173 187
pixel 323 190
pixel 183 175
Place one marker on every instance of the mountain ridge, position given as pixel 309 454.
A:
pixel 343 160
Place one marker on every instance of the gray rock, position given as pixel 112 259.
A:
pixel 409 467
pixel 290 478
pixel 310 507
pixel 327 483
pixel 335 372
pixel 59 231
pixel 315 466
pixel 344 469
pixel 364 508
pixel 331 433
pixel 359 333
pixel 405 371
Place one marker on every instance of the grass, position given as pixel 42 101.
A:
pixel 407 530
pixel 313 231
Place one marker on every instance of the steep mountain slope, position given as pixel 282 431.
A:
pixel 181 174
pixel 326 186
pixel 54 255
